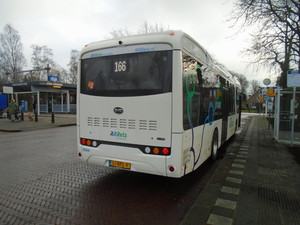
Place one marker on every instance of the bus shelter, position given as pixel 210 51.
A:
pixel 287 121
pixel 45 96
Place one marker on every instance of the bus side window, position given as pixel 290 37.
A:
pixel 200 100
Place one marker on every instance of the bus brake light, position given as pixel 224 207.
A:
pixel 165 151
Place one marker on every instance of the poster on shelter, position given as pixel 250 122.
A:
pixel 293 78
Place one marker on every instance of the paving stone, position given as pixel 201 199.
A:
pixel 43 182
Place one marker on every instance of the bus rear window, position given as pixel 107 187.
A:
pixel 132 74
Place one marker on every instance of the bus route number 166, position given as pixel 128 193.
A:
pixel 120 66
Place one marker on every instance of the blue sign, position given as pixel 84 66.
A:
pixel 279 87
pixel 24 105
pixel 294 72
pixel 3 101
pixel 53 78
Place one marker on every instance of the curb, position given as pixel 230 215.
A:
pixel 38 127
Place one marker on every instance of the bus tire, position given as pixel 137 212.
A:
pixel 214 146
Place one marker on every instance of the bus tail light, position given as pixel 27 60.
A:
pixel 152 150
pixel 89 142
pixel 79 154
pixel 157 150
pixel 83 141
pixel 165 151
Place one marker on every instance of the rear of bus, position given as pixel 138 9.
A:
pixel 124 105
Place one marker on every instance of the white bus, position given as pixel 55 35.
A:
pixel 153 103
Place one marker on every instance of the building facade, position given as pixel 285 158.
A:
pixel 44 96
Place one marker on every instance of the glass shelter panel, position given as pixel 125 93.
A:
pixel 283 123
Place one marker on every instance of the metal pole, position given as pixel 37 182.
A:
pixel 266 111
pixel 48 69
pixel 36 117
pixel 26 71
pixel 52 117
pixel 68 101
pixel 277 115
pixel 293 115
pixel 269 119
pixel 240 110
pixel 38 103
pixel 62 102
pixel 22 116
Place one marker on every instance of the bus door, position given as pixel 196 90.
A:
pixel 225 113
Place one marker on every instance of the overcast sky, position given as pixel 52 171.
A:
pixel 63 25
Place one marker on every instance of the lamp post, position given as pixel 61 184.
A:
pixel 30 71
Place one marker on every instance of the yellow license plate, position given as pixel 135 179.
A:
pixel 123 165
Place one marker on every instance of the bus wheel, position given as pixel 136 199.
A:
pixel 214 146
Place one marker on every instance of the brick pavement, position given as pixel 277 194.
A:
pixel 43 182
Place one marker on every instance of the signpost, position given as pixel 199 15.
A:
pixel 275 88
pixel 267 81
pixel 267 93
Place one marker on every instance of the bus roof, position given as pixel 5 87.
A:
pixel 176 38
pixel 172 37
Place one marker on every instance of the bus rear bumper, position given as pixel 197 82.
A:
pixel 119 163
pixel 137 162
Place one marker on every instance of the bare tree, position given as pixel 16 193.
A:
pixel 41 57
pixel 275 43
pixel 144 29
pixel 58 71
pixel 148 28
pixel 73 66
pixel 119 33
pixel 243 81
pixel 254 86
pixel 11 52
pixel 2 72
